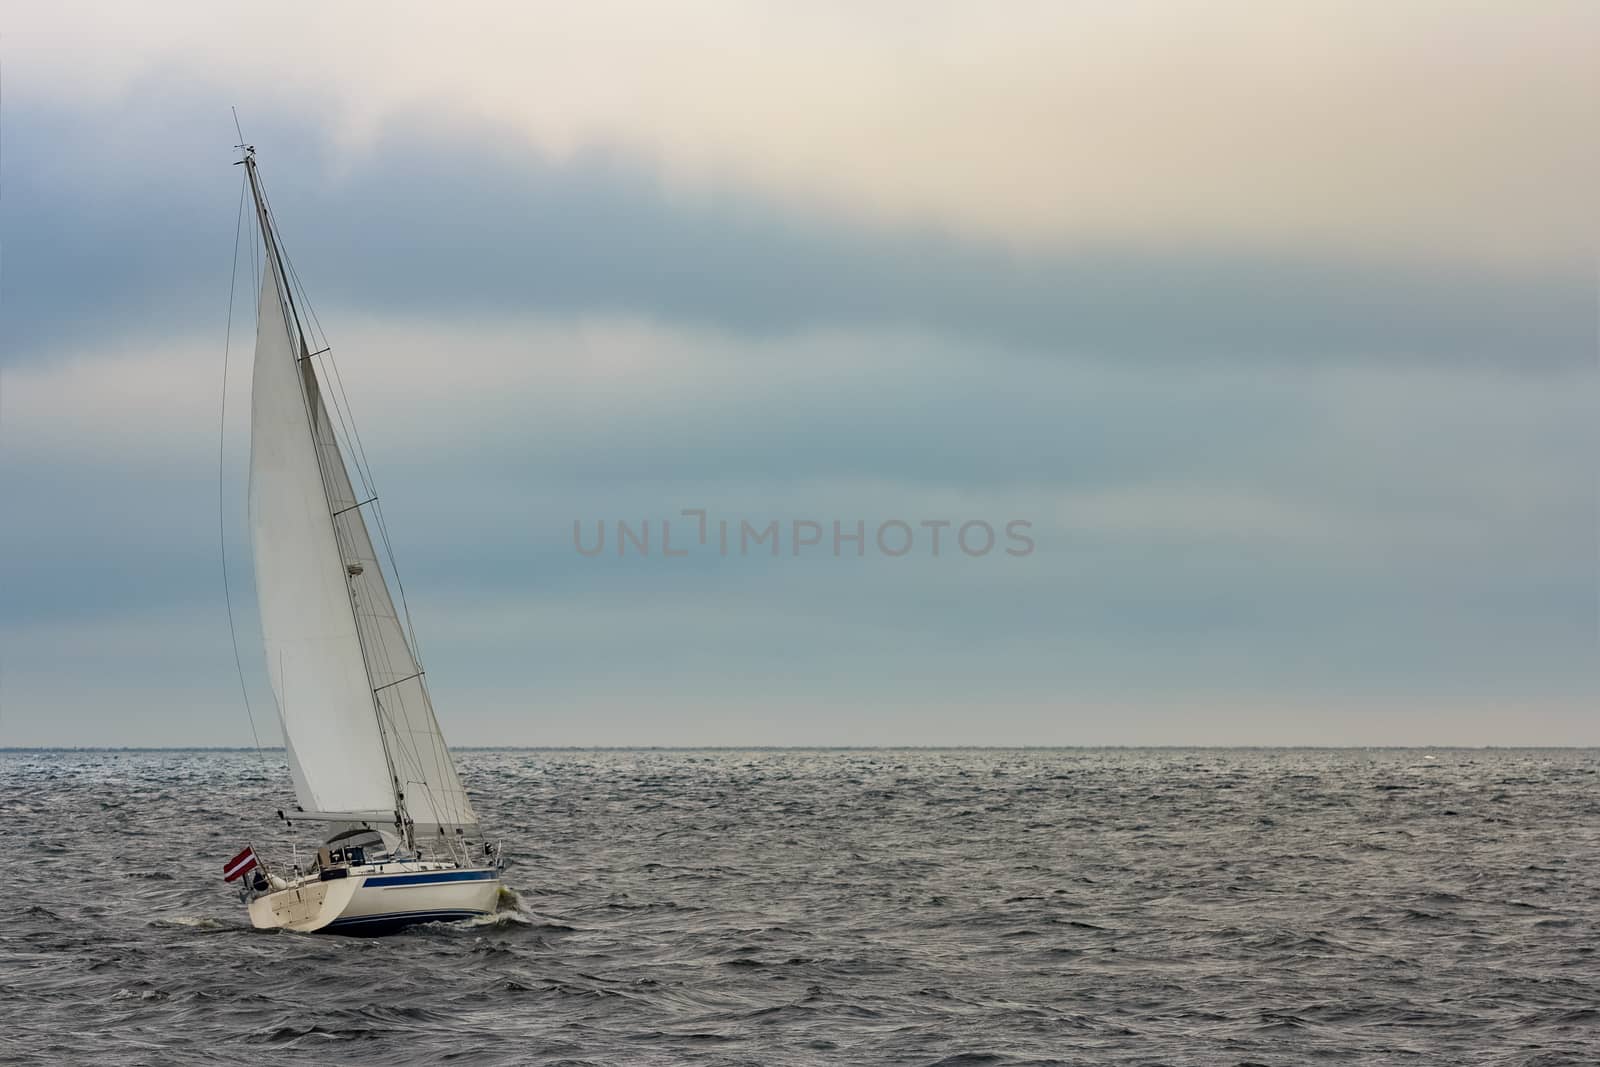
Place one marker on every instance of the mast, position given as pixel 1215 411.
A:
pixel 292 323
pixel 291 313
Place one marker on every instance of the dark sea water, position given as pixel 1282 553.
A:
pixel 849 907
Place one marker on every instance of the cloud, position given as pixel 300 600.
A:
pixel 1439 131
pixel 1278 327
pixel 456 221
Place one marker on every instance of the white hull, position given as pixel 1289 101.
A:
pixel 379 898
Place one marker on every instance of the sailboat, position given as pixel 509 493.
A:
pixel 399 840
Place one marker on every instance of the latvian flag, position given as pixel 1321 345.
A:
pixel 236 867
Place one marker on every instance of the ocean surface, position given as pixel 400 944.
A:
pixel 840 907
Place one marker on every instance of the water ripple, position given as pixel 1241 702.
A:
pixel 875 907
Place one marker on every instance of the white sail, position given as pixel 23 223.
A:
pixel 368 741
pixel 313 651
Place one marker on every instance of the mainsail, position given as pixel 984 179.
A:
pixel 358 723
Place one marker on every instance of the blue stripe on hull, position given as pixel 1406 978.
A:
pixel 429 878
pixel 389 922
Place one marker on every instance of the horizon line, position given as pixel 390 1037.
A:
pixel 848 748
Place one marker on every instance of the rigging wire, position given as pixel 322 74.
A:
pixel 222 468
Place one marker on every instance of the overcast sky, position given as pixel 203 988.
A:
pixel 1277 325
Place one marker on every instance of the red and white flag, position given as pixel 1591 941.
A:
pixel 239 865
